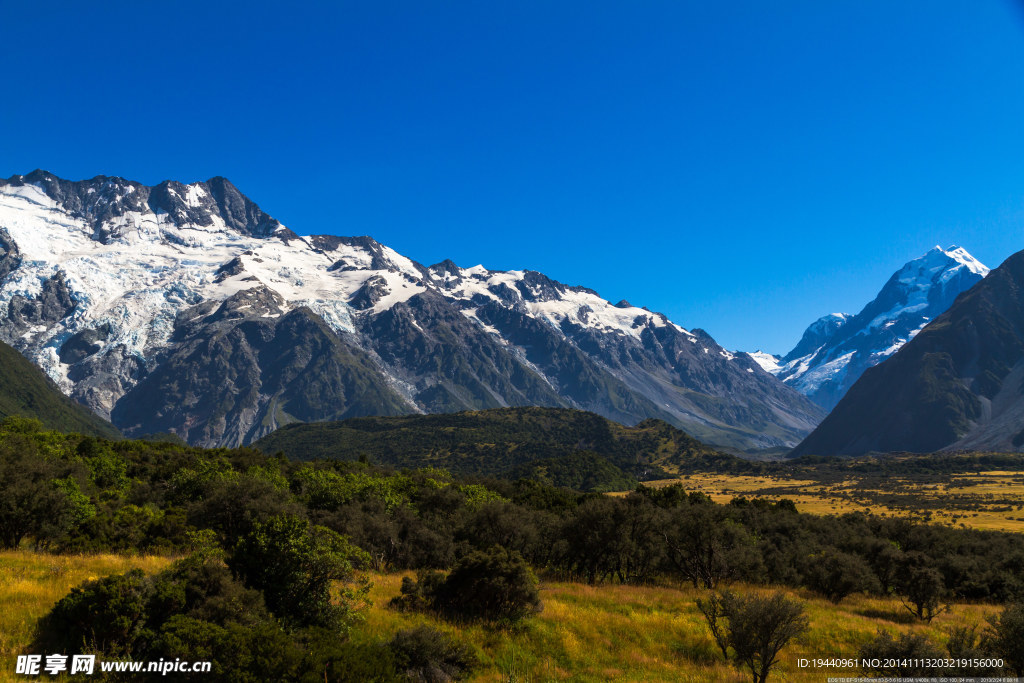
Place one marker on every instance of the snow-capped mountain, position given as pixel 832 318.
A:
pixel 186 308
pixel 836 349
pixel 955 386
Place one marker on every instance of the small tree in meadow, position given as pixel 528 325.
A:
pixel 427 655
pixel 922 591
pixel 752 629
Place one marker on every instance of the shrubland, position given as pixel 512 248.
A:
pixel 273 558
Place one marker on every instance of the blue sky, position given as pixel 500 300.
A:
pixel 744 167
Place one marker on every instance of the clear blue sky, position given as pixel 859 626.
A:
pixel 744 167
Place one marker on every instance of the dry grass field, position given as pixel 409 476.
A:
pixel 636 633
pixel 585 633
pixel 983 500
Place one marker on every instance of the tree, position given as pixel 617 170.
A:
pixel 295 565
pixel 922 591
pixel 39 496
pixel 753 628
pixel 594 537
pixel 885 559
pixel 704 547
pixel 232 503
pixel 500 523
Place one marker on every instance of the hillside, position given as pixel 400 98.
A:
pixel 26 391
pixel 498 442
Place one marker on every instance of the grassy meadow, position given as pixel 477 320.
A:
pixel 585 633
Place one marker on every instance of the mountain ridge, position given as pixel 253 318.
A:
pixel 108 285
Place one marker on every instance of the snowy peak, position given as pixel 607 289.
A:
pixel 818 334
pixel 113 205
pixel 923 288
pixel 559 305
pixel 961 256
pixel 836 349
pixel 955 386
pixel 162 306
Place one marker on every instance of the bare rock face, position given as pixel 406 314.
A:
pixel 185 308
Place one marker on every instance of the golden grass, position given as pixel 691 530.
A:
pixel 585 633
pixel 982 489
pixel 636 633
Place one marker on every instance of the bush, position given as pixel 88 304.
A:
pixel 963 644
pixel 753 628
pixel 201 587
pixel 903 654
pixel 295 565
pixel 239 654
pixel 1005 637
pixel 427 655
pixel 107 615
pixel 496 585
pixel 196 610
pixel 418 595
pixel 835 575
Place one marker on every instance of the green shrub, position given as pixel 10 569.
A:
pixel 493 586
pixel 107 615
pixel 900 657
pixel 418 595
pixel 427 655
pixel 239 654
pixel 196 610
pixel 295 566
pixel 496 585
pixel 202 588
pixel 1005 637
